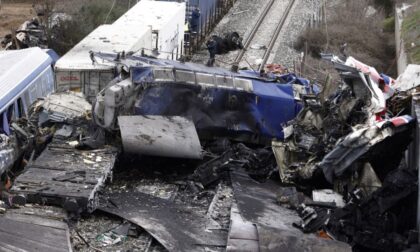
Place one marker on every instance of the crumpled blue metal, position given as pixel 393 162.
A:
pixel 253 116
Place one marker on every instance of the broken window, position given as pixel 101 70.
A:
pixel 20 108
pixel 4 125
pixel 11 113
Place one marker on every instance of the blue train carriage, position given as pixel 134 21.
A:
pixel 25 76
pixel 240 106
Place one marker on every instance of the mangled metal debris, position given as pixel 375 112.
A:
pixel 66 177
pixel 340 158
pixel 346 119
pixel 65 173
pixel 30 34
pixel 352 143
pixel 67 107
pixel 239 106
pixel 8 152
pixel 163 219
pixel 370 140
pixel 256 204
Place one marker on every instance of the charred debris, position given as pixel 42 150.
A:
pixel 30 34
pixel 241 162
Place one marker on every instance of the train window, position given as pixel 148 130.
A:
pixel 1 124
pixel 20 108
pixel 11 113
pixel 4 126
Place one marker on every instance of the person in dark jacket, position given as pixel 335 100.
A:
pixel 195 19
pixel 212 48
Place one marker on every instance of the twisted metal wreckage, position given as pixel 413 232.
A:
pixel 345 149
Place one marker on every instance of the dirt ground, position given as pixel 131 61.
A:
pixel 12 15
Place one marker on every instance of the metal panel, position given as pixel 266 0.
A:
pixel 30 233
pixel 76 80
pixel 185 76
pixel 105 78
pixel 243 84
pixel 164 74
pixel 171 224
pixel 205 79
pixel 224 81
pixel 168 136
pixel 91 83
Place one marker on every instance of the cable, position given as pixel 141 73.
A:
pixel 326 24
pixel 317 70
pixel 186 55
pixel 109 13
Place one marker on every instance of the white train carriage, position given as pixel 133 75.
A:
pixel 25 75
pixel 167 20
pixel 77 71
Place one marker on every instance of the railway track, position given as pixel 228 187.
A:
pixel 257 36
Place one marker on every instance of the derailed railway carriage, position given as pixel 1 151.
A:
pixel 25 75
pixel 220 103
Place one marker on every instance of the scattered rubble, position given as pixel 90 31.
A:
pixel 30 34
pixel 73 180
pixel 341 182
pixel 175 156
pixel 351 142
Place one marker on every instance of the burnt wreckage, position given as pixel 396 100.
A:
pixel 340 141
pixel 216 144
pixel 352 143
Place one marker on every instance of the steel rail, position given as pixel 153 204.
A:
pixel 251 36
pixel 276 35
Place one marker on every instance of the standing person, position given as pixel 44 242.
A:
pixel 212 47
pixel 195 19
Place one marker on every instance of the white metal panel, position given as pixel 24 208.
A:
pixel 165 136
pixel 185 76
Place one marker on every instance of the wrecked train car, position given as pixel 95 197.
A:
pixel 357 105
pixel 349 150
pixel 144 29
pixel 26 75
pixel 166 19
pixel 71 161
pixel 220 103
pixel 30 34
pixel 78 71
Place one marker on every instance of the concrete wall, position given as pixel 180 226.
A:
pixel 401 54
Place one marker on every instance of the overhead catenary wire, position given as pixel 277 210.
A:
pixel 110 11
pixel 324 6
pixel 152 50
pixel 187 55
